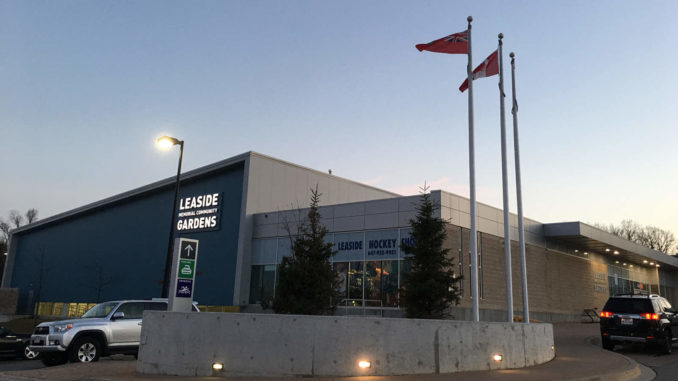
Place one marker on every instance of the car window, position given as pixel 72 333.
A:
pixel 132 310
pixel 628 306
pixel 156 306
pixel 100 310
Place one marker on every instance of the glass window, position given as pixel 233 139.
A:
pixel 381 244
pixel 284 248
pixel 405 267
pixel 341 269
pixel 389 284
pixel 405 239
pixel 355 283
pixel 100 310
pixel 381 284
pixel 373 284
pixel 156 306
pixel 263 251
pixel 349 247
pixel 132 310
pixel 262 283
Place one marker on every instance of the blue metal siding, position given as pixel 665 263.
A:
pixel 122 248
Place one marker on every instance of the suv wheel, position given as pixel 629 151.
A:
pixel 85 349
pixel 29 354
pixel 53 358
pixel 667 345
pixel 607 344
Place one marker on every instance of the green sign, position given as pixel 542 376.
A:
pixel 186 268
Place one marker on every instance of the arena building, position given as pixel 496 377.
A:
pixel 243 211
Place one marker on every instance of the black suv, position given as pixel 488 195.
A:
pixel 647 319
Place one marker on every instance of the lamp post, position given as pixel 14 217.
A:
pixel 167 142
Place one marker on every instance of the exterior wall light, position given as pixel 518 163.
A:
pixel 497 358
pixel 645 261
pixel 658 265
pixel 217 366
pixel 363 364
pixel 553 347
pixel 616 252
pixel 616 261
pixel 607 250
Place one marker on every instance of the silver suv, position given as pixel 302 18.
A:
pixel 107 328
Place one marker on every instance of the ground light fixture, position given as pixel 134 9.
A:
pixel 167 142
pixel 364 364
pixel 497 358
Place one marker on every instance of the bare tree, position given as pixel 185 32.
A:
pixel 648 236
pixel 658 239
pixel 4 230
pixel 15 218
pixel 31 215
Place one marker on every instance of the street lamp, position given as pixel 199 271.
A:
pixel 167 142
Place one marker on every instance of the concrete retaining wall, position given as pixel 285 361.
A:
pixel 187 344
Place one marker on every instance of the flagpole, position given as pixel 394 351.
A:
pixel 504 182
pixel 519 194
pixel 472 180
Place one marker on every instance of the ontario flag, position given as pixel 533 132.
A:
pixel 488 68
pixel 453 44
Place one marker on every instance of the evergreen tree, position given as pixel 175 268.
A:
pixel 307 284
pixel 430 287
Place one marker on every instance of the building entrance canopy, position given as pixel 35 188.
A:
pixel 584 239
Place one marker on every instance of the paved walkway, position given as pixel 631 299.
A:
pixel 576 359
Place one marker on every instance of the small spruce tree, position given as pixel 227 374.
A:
pixel 307 284
pixel 430 287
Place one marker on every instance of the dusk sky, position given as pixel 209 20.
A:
pixel 87 86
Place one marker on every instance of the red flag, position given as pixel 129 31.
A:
pixel 488 68
pixel 453 44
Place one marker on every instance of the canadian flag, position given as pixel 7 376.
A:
pixel 488 68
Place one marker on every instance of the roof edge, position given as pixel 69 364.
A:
pixel 253 153
pixel 135 192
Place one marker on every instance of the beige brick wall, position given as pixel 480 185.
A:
pixel 557 283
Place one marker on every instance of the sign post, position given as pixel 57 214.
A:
pixel 184 261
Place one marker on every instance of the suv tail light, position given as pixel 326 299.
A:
pixel 605 314
pixel 650 316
